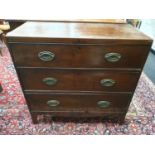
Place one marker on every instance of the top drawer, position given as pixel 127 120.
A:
pixel 79 56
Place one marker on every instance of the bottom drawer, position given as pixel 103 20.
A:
pixel 78 103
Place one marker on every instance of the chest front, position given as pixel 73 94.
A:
pixel 78 69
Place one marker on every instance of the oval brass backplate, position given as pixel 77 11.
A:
pixel 103 104
pixel 112 57
pixel 46 56
pixel 53 103
pixel 50 81
pixel 107 82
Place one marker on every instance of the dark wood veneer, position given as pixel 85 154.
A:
pixel 79 56
pixel 81 80
pixel 78 102
pixel 78 65
pixel 77 32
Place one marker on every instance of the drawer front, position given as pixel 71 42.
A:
pixel 79 56
pixel 72 102
pixel 81 80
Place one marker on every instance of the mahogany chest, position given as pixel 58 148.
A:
pixel 75 69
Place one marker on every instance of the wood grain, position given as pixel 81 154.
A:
pixel 78 102
pixel 78 80
pixel 79 66
pixel 79 56
pixel 77 32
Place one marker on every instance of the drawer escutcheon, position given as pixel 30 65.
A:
pixel 53 103
pixel 107 82
pixel 46 56
pixel 103 104
pixel 50 81
pixel 112 57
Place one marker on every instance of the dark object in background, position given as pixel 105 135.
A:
pixel 1 89
pixel 134 22
pixel 14 24
pixel 138 23
pixel 7 26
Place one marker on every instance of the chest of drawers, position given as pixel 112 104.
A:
pixel 78 69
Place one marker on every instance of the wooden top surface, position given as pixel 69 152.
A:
pixel 71 31
pixel 91 20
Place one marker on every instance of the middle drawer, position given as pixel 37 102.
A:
pixel 80 80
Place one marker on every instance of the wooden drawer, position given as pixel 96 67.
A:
pixel 79 56
pixel 78 102
pixel 81 80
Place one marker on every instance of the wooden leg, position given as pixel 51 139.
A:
pixel 34 118
pixel 122 119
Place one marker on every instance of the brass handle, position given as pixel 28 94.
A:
pixel 113 57
pixel 53 103
pixel 46 56
pixel 50 81
pixel 103 104
pixel 107 82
